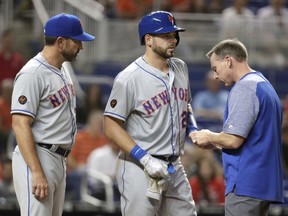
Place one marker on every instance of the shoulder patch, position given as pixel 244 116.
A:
pixel 113 103
pixel 22 99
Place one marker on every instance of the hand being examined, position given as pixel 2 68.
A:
pixel 202 139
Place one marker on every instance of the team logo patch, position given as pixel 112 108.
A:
pixel 113 103
pixel 22 99
pixel 171 19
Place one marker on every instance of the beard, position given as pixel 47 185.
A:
pixel 164 53
pixel 69 56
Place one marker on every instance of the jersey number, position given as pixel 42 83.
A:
pixel 184 119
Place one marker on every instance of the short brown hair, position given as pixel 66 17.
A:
pixel 49 41
pixel 232 47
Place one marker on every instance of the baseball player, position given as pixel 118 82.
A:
pixel 43 118
pixel 146 116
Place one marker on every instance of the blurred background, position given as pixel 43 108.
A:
pixel 91 189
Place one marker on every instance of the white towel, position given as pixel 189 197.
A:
pixel 155 187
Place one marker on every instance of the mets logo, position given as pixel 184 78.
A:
pixel 171 19
pixel 22 99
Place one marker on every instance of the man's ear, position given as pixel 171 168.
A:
pixel 228 60
pixel 60 42
pixel 148 39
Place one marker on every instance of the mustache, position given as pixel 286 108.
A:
pixel 171 47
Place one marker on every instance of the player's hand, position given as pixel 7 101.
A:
pixel 39 186
pixel 154 167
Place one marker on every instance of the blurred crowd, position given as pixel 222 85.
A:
pixel 244 19
pixel 93 151
pixel 132 9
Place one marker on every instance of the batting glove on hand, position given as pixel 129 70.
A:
pixel 154 167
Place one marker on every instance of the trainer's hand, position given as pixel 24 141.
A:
pixel 39 186
pixel 154 167
pixel 201 139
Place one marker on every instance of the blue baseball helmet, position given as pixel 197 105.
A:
pixel 158 22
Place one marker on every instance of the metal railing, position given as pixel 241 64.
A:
pixel 117 39
pixel 91 175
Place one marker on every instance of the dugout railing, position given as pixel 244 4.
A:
pixel 117 40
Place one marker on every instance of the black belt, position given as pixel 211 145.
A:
pixel 170 158
pixel 61 151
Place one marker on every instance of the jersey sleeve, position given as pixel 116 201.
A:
pixel 243 108
pixel 120 102
pixel 26 95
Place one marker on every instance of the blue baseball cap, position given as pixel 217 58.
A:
pixel 66 25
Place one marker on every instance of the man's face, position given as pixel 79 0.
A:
pixel 71 49
pixel 164 44
pixel 221 69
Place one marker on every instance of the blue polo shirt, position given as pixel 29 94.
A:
pixel 254 112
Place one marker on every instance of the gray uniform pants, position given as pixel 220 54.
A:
pixel 175 200
pixel 242 205
pixel 54 167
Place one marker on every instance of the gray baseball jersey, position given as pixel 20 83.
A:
pixel 153 105
pixel 46 94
